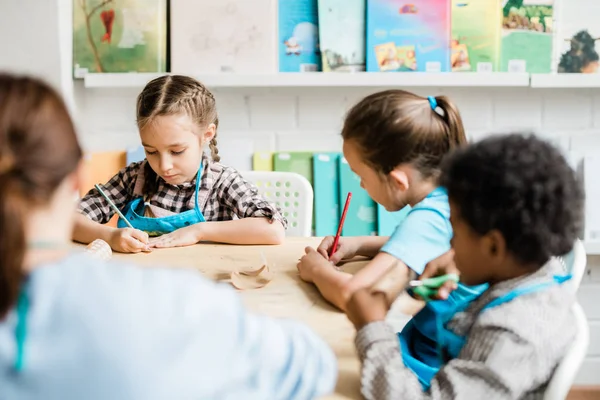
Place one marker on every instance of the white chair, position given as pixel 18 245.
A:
pixel 564 375
pixel 292 193
pixel 575 262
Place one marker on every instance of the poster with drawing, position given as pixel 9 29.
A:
pixel 210 36
pixel 119 36
pixel 578 37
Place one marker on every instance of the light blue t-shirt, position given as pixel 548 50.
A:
pixel 99 330
pixel 424 234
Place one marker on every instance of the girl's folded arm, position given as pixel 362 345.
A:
pixel 253 230
pixel 371 245
pixel 86 231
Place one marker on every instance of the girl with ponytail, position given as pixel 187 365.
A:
pixel 39 155
pixel 395 142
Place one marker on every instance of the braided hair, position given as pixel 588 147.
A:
pixel 175 94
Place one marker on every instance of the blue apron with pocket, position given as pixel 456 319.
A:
pixel 449 344
pixel 134 212
pixel 419 338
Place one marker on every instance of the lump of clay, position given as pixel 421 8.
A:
pixel 99 249
pixel 251 279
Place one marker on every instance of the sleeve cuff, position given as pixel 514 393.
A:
pixel 374 332
pixel 268 210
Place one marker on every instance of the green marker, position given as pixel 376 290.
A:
pixel 114 207
pixel 428 288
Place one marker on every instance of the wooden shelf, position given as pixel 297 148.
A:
pixel 592 248
pixel 580 81
pixel 320 79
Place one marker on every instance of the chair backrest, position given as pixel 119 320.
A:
pixel 291 192
pixel 564 375
pixel 575 262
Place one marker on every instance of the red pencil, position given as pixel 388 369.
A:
pixel 340 226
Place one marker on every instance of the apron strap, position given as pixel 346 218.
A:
pixel 138 188
pixel 140 180
pixel 21 328
pixel 556 280
pixel 198 182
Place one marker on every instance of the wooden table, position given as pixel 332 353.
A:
pixel 285 296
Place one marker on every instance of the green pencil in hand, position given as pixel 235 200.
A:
pixel 113 206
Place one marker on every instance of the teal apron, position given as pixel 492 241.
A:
pixel 134 212
pixel 419 338
pixel 449 344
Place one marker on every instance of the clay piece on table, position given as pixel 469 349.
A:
pixel 99 249
pixel 252 278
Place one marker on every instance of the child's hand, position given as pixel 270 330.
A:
pixel 129 240
pixel 311 262
pixel 365 307
pixel 442 265
pixel 181 237
pixel 347 248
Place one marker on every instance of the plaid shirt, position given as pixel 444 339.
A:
pixel 223 195
pixel 511 351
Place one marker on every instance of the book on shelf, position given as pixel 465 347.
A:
pixel 475 43
pixel 298 36
pixel 342 35
pixel 411 36
pixel 527 36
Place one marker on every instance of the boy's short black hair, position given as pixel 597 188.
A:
pixel 521 186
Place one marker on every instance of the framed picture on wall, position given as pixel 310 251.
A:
pixel 119 36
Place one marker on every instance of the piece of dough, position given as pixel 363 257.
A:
pixel 99 249
pixel 251 279
pixel 255 272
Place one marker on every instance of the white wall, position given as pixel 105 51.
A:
pixel 300 119
pixel 35 39
pixel 29 41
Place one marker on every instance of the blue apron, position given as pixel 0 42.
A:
pixel 134 212
pixel 419 338
pixel 449 344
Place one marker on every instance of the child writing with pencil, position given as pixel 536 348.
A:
pixel 76 327
pixel 395 141
pixel 178 194
pixel 515 205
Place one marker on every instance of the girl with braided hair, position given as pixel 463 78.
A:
pixel 178 195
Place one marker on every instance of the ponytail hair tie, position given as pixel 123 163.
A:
pixel 434 106
pixel 432 102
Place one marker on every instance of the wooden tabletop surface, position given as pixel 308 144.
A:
pixel 285 296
